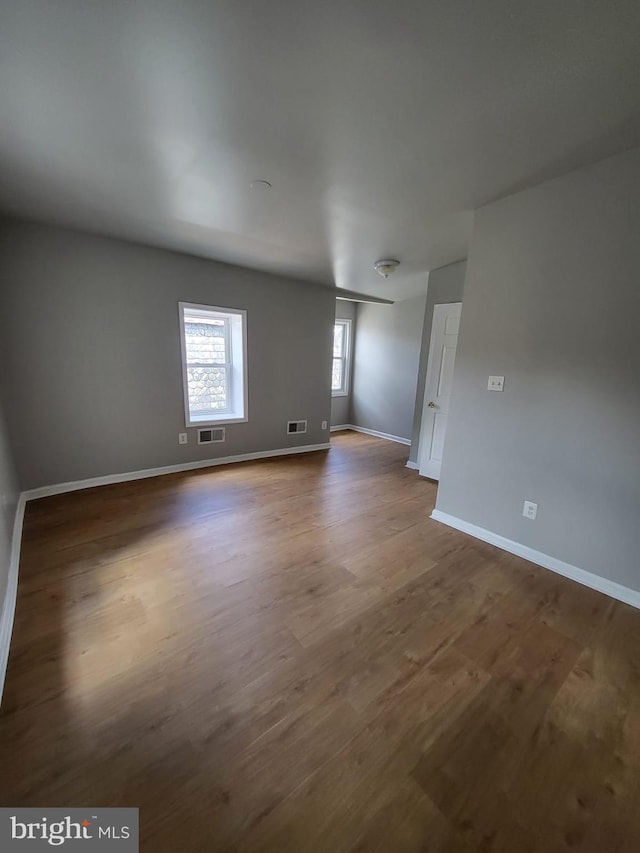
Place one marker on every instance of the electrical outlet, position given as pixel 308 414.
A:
pixel 182 438
pixel 324 424
pixel 530 510
pixel 495 383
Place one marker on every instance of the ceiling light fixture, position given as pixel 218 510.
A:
pixel 260 185
pixel 386 267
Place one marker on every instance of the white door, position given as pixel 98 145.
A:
pixel 437 390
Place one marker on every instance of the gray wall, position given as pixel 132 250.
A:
pixel 341 406
pixel 445 285
pixel 8 501
pixel 92 374
pixel 552 301
pixel 387 354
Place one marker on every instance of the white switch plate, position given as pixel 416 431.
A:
pixel 530 510
pixel 496 383
pixel 182 438
pixel 324 424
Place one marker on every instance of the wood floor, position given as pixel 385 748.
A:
pixel 289 655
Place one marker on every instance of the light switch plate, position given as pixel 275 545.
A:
pixel 496 383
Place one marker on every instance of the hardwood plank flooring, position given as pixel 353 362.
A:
pixel 289 655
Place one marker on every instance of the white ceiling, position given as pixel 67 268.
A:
pixel 381 125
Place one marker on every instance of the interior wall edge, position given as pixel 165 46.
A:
pixel 9 606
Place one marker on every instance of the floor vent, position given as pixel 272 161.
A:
pixel 296 426
pixel 210 435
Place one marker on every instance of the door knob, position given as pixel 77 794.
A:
pixel 432 405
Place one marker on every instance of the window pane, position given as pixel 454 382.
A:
pixel 214 369
pixel 336 376
pixel 208 389
pixel 338 340
pixel 205 342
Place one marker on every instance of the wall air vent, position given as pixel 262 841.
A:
pixel 210 435
pixel 296 427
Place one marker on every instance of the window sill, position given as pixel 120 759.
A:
pixel 339 393
pixel 227 418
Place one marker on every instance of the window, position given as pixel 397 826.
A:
pixel 341 346
pixel 214 364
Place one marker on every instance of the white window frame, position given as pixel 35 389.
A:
pixel 235 365
pixel 346 357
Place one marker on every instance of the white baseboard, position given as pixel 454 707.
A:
pixel 8 609
pixel 608 587
pixel 374 432
pixel 75 485
pixel 413 465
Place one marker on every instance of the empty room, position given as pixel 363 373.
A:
pixel 320 426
